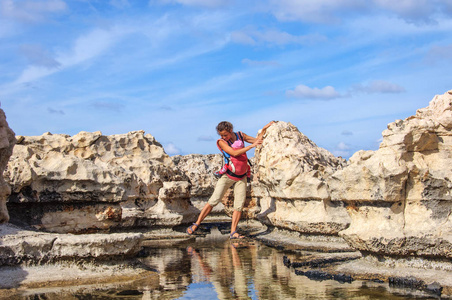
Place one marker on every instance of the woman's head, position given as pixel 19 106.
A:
pixel 224 129
pixel 225 125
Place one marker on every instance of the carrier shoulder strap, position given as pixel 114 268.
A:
pixel 241 137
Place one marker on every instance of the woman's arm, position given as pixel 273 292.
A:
pixel 254 141
pixel 251 139
pixel 236 152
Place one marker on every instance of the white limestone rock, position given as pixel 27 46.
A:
pixel 91 182
pixel 7 142
pixel 198 170
pixel 400 196
pixel 21 246
pixel 290 183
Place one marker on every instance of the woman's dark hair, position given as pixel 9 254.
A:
pixel 225 125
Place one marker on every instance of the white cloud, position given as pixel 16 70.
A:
pixel 439 54
pixel 88 46
pixel 416 11
pixel 30 11
pixel 107 105
pixel 342 149
pixel 55 111
pixel 171 149
pixel 319 11
pixel 37 55
pixel 201 3
pixel 33 73
pixel 85 47
pixel 379 86
pixel 342 146
pixel 273 37
pixel 256 63
pixel 347 133
pixel 121 4
pixel 328 11
pixel 205 138
pixel 241 37
pixel 305 92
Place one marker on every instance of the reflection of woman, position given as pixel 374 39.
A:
pixel 233 144
pixel 220 275
pixel 240 282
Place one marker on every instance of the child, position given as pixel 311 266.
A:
pixel 223 169
pixel 227 164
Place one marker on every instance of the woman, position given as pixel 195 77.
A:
pixel 233 144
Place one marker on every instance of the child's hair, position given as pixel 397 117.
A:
pixel 225 125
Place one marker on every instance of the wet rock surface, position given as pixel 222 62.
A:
pixel 159 267
pixel 347 265
pixel 20 246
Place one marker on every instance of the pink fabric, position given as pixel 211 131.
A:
pixel 238 144
pixel 240 162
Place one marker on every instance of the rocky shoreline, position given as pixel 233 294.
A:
pixel 383 215
pixel 318 258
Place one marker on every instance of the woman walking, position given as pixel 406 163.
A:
pixel 233 143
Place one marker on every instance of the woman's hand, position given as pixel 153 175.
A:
pixel 257 142
pixel 264 130
pixel 268 125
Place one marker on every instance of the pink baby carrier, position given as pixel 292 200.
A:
pixel 238 166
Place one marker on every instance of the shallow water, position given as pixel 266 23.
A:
pixel 214 267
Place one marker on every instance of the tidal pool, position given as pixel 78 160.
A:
pixel 214 267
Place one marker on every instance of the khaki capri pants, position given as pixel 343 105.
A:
pixel 222 186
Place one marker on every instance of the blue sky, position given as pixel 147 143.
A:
pixel 339 70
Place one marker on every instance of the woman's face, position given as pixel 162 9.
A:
pixel 225 135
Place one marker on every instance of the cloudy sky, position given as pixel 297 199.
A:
pixel 339 70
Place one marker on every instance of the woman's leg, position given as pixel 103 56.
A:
pixel 220 189
pixel 204 212
pixel 239 202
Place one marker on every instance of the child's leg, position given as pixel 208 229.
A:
pixel 223 169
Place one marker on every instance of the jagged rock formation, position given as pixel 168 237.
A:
pixel 290 183
pixel 91 182
pixel 400 197
pixel 198 170
pixel 393 201
pixel 7 141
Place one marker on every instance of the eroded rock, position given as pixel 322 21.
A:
pixel 91 182
pixel 24 246
pixel 399 197
pixel 290 183
pixel 198 170
pixel 7 142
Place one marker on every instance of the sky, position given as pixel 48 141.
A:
pixel 339 70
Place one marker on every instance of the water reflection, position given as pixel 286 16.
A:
pixel 214 267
